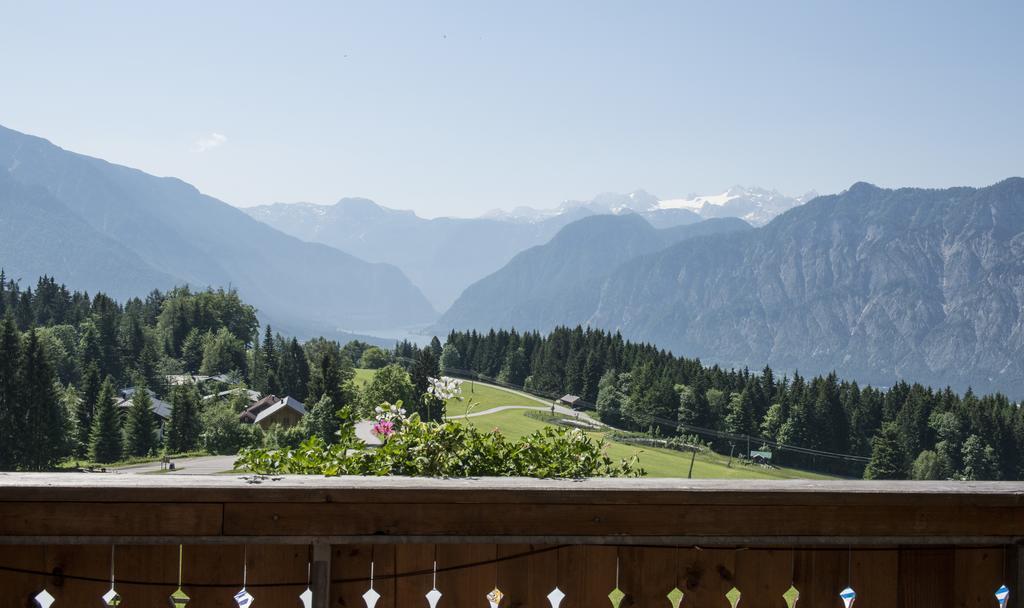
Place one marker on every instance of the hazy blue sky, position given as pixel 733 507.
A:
pixel 456 108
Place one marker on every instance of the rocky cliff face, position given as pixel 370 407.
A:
pixel 925 285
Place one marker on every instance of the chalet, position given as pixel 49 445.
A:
pixel 575 402
pixel 286 411
pixel 161 409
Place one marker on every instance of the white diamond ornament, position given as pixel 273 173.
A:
pixel 1003 596
pixel 43 599
pixel 555 597
pixel 111 598
pixel 848 596
pixel 494 597
pixel 243 598
pixel 370 597
pixel 306 597
pixel 433 597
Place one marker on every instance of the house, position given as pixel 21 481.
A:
pixel 575 402
pixel 252 395
pixel 286 412
pixel 160 408
pixel 249 415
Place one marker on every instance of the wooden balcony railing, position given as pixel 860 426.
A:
pixel 900 544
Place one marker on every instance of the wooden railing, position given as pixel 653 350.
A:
pixel 896 544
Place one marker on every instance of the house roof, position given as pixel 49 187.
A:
pixel 250 413
pixel 569 399
pixel 291 402
pixel 160 408
pixel 253 396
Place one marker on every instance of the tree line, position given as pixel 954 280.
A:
pixel 905 431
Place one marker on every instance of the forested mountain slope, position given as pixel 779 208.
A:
pixel 926 285
pixel 169 232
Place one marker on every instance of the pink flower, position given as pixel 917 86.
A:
pixel 383 428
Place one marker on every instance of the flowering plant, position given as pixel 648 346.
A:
pixel 388 418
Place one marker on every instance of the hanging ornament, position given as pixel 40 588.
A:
pixel 371 596
pixel 111 598
pixel 434 596
pixel 848 596
pixel 178 598
pixel 306 597
pixel 675 597
pixel 792 596
pixel 616 595
pixel 733 596
pixel 555 597
pixel 43 599
pixel 243 598
pixel 1003 596
pixel 494 597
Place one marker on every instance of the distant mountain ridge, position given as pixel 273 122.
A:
pixel 556 283
pixel 756 206
pixel 445 255
pixel 881 285
pixel 104 226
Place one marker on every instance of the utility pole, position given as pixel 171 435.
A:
pixel 692 458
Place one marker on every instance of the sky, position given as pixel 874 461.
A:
pixel 456 108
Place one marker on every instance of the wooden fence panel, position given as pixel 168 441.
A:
pixel 979 572
pixel 926 578
pixel 875 577
pixel 763 576
pixel 709 575
pixel 514 575
pixel 819 576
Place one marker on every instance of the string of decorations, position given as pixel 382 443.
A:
pixel 245 599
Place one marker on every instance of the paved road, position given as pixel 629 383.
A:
pixel 200 465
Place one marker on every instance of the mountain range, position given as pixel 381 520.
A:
pixel 100 226
pixel 443 256
pixel 882 285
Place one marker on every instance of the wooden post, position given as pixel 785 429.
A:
pixel 320 576
pixel 693 457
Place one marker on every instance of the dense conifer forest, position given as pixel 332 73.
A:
pixel 65 357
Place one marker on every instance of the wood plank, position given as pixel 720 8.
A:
pixel 926 578
pixel 763 576
pixel 710 574
pixel 978 573
pixel 100 519
pixel 875 577
pixel 644 520
pixel 514 574
pixel 409 590
pixel 78 487
pixel 820 576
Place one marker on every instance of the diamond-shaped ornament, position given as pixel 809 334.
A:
pixel 243 598
pixel 1003 596
pixel 178 599
pixel 848 596
pixel 792 596
pixel 111 598
pixel 494 597
pixel 306 597
pixel 43 599
pixel 370 597
pixel 733 596
pixel 555 597
pixel 433 597
pixel 616 597
pixel 675 597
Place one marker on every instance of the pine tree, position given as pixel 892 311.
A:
pixel 183 428
pixel 451 358
pixel 435 348
pixel 424 368
pixel 888 460
pixel 90 389
pixel 11 413
pixel 105 437
pixel 322 420
pixel 43 443
pixel 140 425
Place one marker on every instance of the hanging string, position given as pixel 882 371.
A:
pixel 373 560
pixel 181 553
pixel 849 566
pixel 435 566
pixel 245 565
pixel 617 567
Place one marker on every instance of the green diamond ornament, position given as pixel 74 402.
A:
pixel 616 597
pixel 675 597
pixel 179 599
pixel 792 596
pixel 733 596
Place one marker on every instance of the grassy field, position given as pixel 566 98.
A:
pixel 657 462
